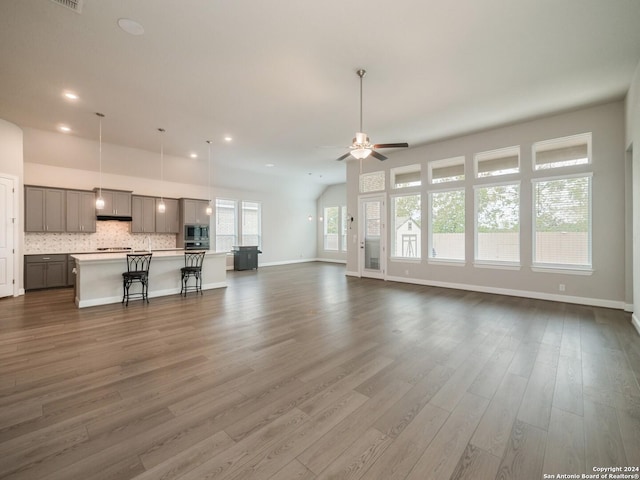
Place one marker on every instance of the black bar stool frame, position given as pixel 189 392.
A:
pixel 137 271
pixel 192 268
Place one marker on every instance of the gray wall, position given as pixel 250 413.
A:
pixel 606 286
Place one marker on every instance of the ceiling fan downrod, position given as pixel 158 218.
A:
pixel 361 73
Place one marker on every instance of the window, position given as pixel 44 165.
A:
pixel 497 162
pixel 344 228
pixel 562 152
pixel 406 236
pixel 408 176
pixel 331 228
pixel 251 223
pixel 446 225
pixel 226 225
pixel 498 223
pixel 562 221
pixel 372 182
pixel 447 170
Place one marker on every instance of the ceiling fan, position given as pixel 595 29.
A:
pixel 361 147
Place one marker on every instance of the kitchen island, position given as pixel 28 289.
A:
pixel 99 275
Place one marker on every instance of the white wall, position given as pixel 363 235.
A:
pixel 287 234
pixel 334 195
pixel 632 145
pixel 606 286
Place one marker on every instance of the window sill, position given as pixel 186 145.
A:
pixel 497 265
pixel 405 260
pixel 562 270
pixel 447 262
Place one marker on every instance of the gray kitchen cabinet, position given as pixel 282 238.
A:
pixel 81 211
pixel 44 209
pixel 143 214
pixel 117 203
pixel 194 211
pixel 45 271
pixel 167 222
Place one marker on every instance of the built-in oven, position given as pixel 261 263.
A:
pixel 196 245
pixel 196 233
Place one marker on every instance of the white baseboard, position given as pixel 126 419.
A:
pixel 635 322
pixel 594 302
pixel 287 262
pixel 352 274
pixel 331 260
pixel 628 307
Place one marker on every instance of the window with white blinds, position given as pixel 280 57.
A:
pixel 562 152
pixel 447 170
pixel 251 224
pixel 498 223
pixel 343 228
pixel 497 162
pixel 562 234
pixel 331 228
pixel 226 225
pixel 408 176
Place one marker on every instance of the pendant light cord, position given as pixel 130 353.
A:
pixel 100 117
pixel 161 130
pixel 209 172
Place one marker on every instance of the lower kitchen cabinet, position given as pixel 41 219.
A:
pixel 45 271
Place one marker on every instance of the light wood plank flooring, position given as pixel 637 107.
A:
pixel 298 372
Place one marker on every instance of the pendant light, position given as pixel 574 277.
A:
pixel 161 206
pixel 100 200
pixel 209 209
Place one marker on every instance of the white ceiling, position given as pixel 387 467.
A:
pixel 279 75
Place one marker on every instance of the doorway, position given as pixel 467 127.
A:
pixel 372 256
pixel 7 235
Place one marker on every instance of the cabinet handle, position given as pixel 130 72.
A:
pixel 46 258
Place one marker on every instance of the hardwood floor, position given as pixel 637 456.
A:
pixel 298 372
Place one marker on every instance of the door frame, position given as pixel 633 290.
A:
pixel 363 272
pixel 13 214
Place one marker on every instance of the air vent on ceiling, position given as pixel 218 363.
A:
pixel 75 5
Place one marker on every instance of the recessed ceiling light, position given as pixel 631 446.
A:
pixel 228 138
pixel 193 155
pixel 64 128
pixel 70 96
pixel 269 165
pixel 130 26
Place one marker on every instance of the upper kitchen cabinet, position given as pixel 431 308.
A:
pixel 167 222
pixel 81 211
pixel 143 214
pixel 44 209
pixel 117 203
pixel 194 211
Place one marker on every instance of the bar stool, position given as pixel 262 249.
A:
pixel 137 271
pixel 192 268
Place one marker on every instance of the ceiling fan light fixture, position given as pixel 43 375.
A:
pixel 361 153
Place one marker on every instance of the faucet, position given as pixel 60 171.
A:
pixel 149 243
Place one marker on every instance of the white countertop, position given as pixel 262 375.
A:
pixel 106 256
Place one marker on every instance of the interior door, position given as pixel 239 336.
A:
pixel 7 227
pixel 372 237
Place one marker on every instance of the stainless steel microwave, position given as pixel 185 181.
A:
pixel 196 233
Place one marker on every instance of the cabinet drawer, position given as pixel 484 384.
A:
pixel 58 257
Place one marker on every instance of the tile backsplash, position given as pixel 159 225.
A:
pixel 109 234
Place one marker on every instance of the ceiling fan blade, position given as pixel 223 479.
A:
pixel 343 157
pixel 391 145
pixel 377 155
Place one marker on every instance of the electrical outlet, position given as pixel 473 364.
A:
pixel 561 287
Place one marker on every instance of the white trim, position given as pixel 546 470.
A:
pixel 555 141
pixel 594 302
pixel 562 270
pixel 415 261
pixel 498 266
pixel 448 262
pixel 287 262
pixel 636 323
pixel 349 273
pixel 628 307
pixel 331 260
pixel 17 289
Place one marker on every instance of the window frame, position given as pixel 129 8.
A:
pixel 407 169
pixel 447 162
pixel 324 228
pixel 562 267
pixel 241 233
pixel 491 154
pixel 443 260
pixel 498 264
pixel 392 230
pixel 235 223
pixel 588 136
